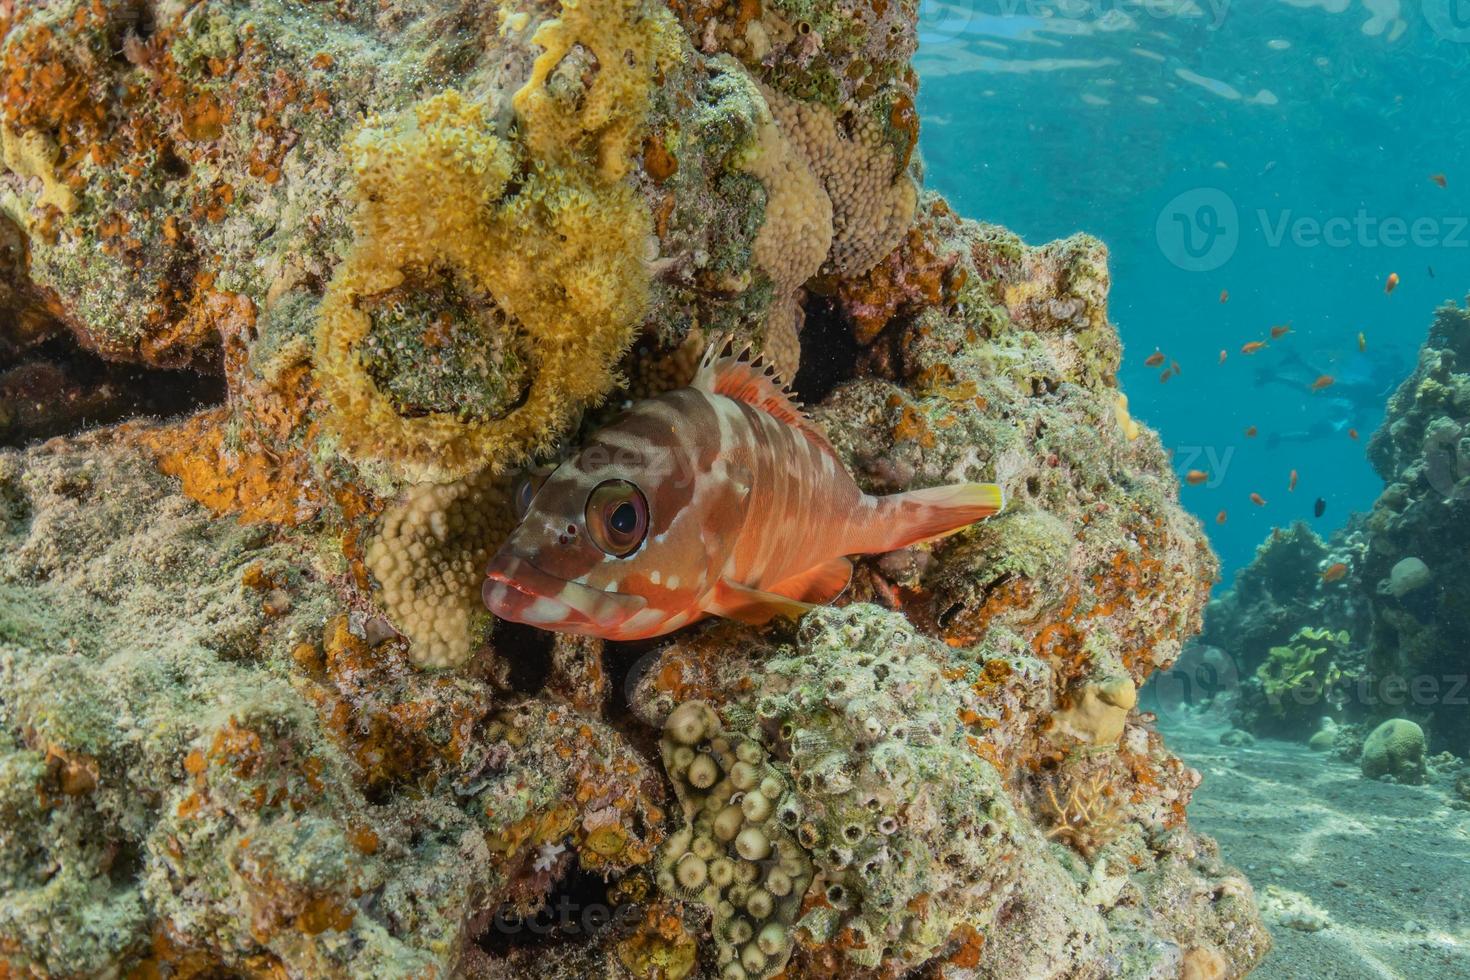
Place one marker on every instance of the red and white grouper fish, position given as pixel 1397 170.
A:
pixel 719 499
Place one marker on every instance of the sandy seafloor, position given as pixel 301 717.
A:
pixel 1356 878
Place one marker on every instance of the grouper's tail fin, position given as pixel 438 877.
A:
pixel 924 515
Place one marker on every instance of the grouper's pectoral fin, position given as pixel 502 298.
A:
pixel 792 597
pixel 820 584
pixel 752 606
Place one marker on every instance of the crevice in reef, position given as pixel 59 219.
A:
pixel 620 660
pixel 625 664
pixel 829 352
pixel 56 388
pixel 527 653
pixel 577 908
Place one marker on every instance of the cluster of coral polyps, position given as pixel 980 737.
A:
pixel 253 719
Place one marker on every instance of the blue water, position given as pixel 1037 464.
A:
pixel 1239 127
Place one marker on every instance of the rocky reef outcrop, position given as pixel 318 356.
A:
pixel 1387 579
pixel 253 718
pixel 1417 535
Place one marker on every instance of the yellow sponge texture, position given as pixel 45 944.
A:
pixel 560 250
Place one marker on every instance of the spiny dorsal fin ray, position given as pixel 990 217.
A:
pixel 735 374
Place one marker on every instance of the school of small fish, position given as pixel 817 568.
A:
pixel 1195 477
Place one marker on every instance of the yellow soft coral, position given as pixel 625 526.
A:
pixel 631 40
pixel 559 250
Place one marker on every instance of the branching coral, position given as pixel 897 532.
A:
pixel 1086 816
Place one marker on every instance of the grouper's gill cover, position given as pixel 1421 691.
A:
pixel 719 499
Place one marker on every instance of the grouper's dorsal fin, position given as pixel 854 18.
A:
pixel 726 370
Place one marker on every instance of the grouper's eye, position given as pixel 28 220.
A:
pixel 617 517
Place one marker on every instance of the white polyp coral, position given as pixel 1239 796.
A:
pixel 546 856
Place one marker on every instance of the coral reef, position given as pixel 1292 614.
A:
pixel 885 754
pixel 226 788
pixel 253 717
pixel 1419 618
pixel 1281 591
pixel 1395 599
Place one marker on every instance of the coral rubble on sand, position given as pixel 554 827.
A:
pixel 1405 613
pixel 253 717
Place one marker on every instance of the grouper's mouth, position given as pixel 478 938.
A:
pixel 517 590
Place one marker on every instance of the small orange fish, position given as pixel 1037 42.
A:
pixel 1362 341
pixel 1252 432
pixel 1326 381
pixel 1164 378
pixel 1392 283
pixel 1224 295
pixel 1291 483
pixel 1258 500
pixel 1278 332
pixel 1174 366
pixel 719 499
pixel 1221 517
pixel 1352 434
pixel 1440 179
pixel 1195 477
pixel 1223 355
pixel 1253 346
pixel 1335 573
pixel 1154 359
